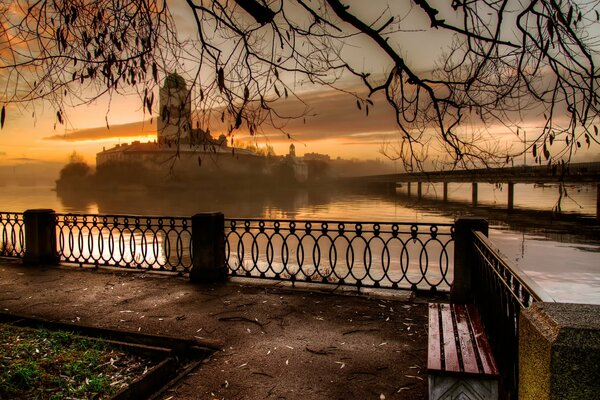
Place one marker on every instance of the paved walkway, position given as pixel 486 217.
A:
pixel 276 343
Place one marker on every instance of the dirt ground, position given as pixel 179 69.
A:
pixel 276 343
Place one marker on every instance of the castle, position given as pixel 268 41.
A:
pixel 192 153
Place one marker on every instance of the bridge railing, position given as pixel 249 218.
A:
pixel 362 254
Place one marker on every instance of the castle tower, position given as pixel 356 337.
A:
pixel 174 122
pixel 292 152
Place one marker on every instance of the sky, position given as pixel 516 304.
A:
pixel 333 124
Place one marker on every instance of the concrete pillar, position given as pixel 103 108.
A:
pixel 391 188
pixel 419 189
pixel 40 237
pixel 445 190
pixel 559 352
pixel 208 247
pixel 464 257
pixel 598 201
pixel 474 194
pixel 511 195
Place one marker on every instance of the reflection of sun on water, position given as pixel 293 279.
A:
pixel 122 245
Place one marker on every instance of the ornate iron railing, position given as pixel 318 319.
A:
pixel 501 290
pixel 156 243
pixel 380 255
pixel 12 235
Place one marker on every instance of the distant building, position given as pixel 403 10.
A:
pixel 195 150
pixel 190 153
pixel 174 122
pixel 316 157
pixel 299 167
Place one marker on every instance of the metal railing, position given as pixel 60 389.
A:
pixel 501 290
pixel 414 256
pixel 154 243
pixel 12 235
pixel 363 254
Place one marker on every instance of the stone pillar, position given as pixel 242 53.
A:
pixel 464 257
pixel 559 352
pixel 40 237
pixel 511 195
pixel 419 189
pixel 474 194
pixel 208 247
pixel 445 190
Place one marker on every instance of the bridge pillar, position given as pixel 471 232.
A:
pixel 408 189
pixel 445 192
pixel 419 189
pixel 598 201
pixel 474 194
pixel 511 195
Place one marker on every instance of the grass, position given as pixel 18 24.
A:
pixel 42 364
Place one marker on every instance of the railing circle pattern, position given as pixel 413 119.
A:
pixel 363 254
pixel 153 243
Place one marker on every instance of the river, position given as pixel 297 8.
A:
pixel 564 263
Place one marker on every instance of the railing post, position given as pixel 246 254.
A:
pixel 40 237
pixel 464 256
pixel 208 247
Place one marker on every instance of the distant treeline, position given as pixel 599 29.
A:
pixel 79 175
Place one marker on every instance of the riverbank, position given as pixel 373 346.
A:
pixel 275 342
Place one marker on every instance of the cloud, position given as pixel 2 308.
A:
pixel 134 129
pixel 332 115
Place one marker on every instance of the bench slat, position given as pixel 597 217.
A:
pixel 450 354
pixel 434 361
pixel 464 337
pixel 483 346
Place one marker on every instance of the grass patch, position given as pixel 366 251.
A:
pixel 43 364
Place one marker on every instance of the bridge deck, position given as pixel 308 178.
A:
pixel 573 173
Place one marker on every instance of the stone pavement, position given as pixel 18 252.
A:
pixel 277 343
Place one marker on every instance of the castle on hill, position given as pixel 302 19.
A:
pixel 190 153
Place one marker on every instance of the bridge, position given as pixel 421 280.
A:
pixel 568 173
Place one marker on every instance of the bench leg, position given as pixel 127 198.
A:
pixel 460 387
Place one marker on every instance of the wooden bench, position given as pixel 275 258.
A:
pixel 460 361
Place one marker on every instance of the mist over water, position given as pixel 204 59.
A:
pixel 566 265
